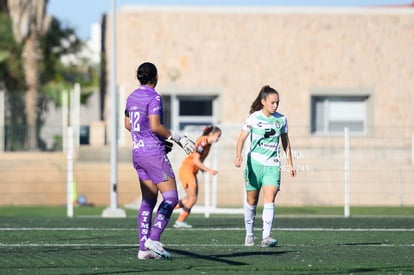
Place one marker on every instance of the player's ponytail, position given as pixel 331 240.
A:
pixel 210 129
pixel 147 73
pixel 263 93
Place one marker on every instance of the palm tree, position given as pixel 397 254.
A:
pixel 29 24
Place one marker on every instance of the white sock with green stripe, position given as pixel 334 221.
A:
pixel 267 217
pixel 249 215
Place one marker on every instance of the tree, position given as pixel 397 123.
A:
pixel 11 76
pixel 61 43
pixel 29 23
pixel 48 73
pixel 11 71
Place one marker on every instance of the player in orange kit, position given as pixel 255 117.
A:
pixel 189 169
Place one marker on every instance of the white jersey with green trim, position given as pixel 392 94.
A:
pixel 265 133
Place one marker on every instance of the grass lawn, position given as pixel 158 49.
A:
pixel 41 211
pixel 42 240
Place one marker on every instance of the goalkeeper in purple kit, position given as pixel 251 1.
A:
pixel 143 118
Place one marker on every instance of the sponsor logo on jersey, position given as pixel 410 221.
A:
pixel 138 144
pixel 269 133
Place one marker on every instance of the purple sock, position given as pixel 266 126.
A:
pixel 163 214
pixel 144 220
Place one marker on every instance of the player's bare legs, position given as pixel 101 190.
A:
pixel 186 204
pixel 191 198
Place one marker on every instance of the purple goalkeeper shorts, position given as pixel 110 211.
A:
pixel 154 168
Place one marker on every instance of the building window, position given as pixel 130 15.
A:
pixel 331 114
pixel 181 111
pixel 195 106
pixel 166 105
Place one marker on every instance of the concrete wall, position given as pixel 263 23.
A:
pixel 41 178
pixel 377 177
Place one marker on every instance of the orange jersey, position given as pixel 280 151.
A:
pixel 202 147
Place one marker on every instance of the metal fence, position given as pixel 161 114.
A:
pixel 380 172
pixel 376 169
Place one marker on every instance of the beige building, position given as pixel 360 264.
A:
pixel 333 68
pixel 231 52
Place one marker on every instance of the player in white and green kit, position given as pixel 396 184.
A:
pixel 265 127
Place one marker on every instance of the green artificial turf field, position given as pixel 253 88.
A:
pixel 53 244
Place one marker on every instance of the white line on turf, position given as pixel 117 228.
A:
pixel 185 245
pixel 63 229
pixel 208 229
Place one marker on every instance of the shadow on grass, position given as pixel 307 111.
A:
pixel 92 238
pixel 360 244
pixel 223 258
pixel 399 269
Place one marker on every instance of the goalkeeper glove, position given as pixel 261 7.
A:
pixel 168 146
pixel 184 142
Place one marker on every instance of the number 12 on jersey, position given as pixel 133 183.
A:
pixel 134 119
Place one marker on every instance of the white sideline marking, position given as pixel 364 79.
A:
pixel 208 229
pixel 349 229
pixel 182 245
pixel 63 229
pixel 193 229
pixel 63 245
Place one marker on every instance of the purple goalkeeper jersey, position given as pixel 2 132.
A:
pixel 140 104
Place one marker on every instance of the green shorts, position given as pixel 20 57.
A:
pixel 257 175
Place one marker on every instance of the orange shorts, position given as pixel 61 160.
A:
pixel 187 177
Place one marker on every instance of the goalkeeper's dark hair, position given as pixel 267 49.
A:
pixel 147 73
pixel 211 129
pixel 264 92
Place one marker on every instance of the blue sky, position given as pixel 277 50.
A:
pixel 80 14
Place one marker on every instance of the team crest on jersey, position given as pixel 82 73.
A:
pixel 278 125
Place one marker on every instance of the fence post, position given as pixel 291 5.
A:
pixel 65 119
pixel 207 190
pixel 2 108
pixel 113 211
pixel 121 104
pixel 75 114
pixel 412 150
pixel 346 173
pixel 69 155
